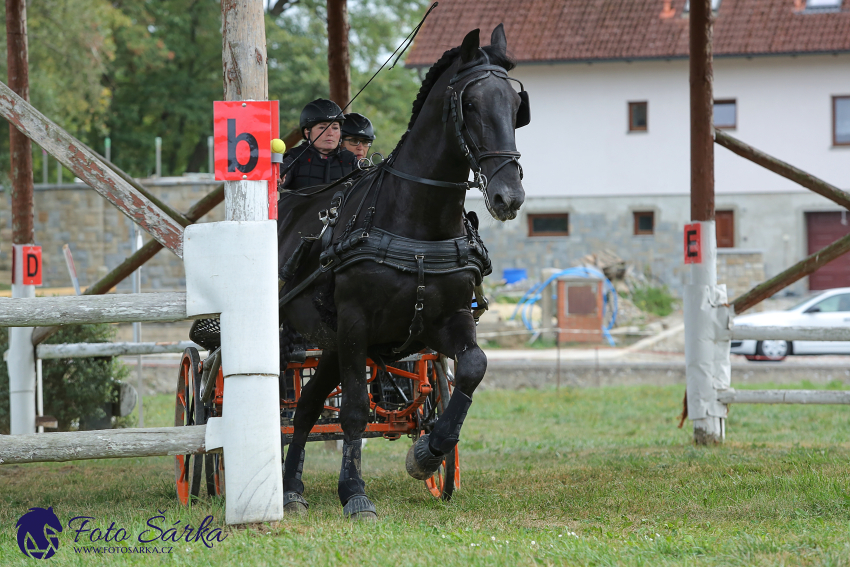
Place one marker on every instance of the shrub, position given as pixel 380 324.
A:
pixel 74 388
pixel 655 300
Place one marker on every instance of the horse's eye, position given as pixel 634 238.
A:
pixel 468 106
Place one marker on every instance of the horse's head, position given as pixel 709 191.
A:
pixel 485 109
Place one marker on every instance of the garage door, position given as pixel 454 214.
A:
pixel 822 230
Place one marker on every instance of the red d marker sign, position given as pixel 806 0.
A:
pixel 693 243
pixel 26 265
pixel 243 133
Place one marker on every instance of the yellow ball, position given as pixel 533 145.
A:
pixel 278 146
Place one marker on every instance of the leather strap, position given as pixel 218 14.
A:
pixel 432 182
pixel 417 325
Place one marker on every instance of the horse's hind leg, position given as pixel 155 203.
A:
pixel 354 413
pixel 458 341
pixel 309 408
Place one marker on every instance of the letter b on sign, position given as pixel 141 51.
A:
pixel 243 133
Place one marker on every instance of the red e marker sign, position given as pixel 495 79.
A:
pixel 26 264
pixel 693 243
pixel 243 133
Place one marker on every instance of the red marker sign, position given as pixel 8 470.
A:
pixel 243 132
pixel 693 243
pixel 26 264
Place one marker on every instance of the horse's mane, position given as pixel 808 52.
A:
pixel 497 57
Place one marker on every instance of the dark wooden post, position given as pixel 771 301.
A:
pixel 19 145
pixel 339 63
pixel 702 109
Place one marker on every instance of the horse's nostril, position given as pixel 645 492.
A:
pixel 498 201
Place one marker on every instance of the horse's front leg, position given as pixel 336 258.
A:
pixel 457 340
pixel 353 415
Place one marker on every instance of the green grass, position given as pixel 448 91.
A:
pixel 576 477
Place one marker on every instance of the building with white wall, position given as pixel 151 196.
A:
pixel 607 155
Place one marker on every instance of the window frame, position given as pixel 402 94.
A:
pixel 732 101
pixel 533 234
pixel 632 105
pixel 835 142
pixel 636 216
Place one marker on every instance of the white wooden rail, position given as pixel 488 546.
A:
pixel 743 332
pixel 84 309
pixel 733 396
pixel 102 444
pixel 87 350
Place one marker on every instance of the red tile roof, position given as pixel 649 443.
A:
pixel 582 30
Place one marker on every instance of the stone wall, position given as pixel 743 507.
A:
pixel 99 235
pixel 740 270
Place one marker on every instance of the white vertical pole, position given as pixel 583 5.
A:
pixel 39 392
pixel 107 144
pixel 137 327
pixel 45 174
pixel 72 269
pixel 158 157
pixel 58 172
pixel 211 154
pixel 21 359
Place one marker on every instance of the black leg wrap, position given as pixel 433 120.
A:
pixel 293 466
pixel 446 433
pixel 350 482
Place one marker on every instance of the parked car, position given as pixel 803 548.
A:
pixel 830 308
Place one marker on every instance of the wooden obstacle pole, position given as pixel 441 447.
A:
pixel 131 264
pixel 732 396
pixel 86 165
pixel 798 271
pixel 86 309
pixel 89 350
pixel 786 170
pixel 102 444
pixel 744 333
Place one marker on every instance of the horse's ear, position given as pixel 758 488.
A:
pixel 469 47
pixel 498 39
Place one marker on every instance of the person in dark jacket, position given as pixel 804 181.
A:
pixel 318 159
pixel 357 134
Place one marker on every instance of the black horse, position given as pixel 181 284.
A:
pixel 403 250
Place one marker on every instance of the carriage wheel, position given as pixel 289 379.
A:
pixel 447 478
pixel 214 469
pixel 187 468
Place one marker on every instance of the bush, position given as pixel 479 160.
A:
pixel 655 300
pixel 74 388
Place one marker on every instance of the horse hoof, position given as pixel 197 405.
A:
pixel 421 463
pixel 294 504
pixel 360 508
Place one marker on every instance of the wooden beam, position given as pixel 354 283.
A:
pixel 86 165
pixel 102 444
pixel 786 170
pixel 89 350
pixel 20 147
pixel 784 396
pixel 132 263
pixel 85 309
pixel 339 64
pixel 702 109
pixel 799 270
pixel 744 333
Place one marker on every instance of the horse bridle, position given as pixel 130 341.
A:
pixel 453 106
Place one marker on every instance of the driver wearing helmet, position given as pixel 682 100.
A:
pixel 357 134
pixel 322 161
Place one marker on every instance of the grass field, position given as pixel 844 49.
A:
pixel 576 477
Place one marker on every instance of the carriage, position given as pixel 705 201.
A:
pixel 406 398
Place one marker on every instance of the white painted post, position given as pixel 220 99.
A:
pixel 211 155
pixel 158 173
pixel 707 341
pixel 137 326
pixel 39 390
pixel 21 359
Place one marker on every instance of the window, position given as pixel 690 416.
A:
pixel 841 121
pixel 823 4
pixel 644 223
pixel 725 113
pixel 834 304
pixel 638 117
pixel 557 224
pixel 724 222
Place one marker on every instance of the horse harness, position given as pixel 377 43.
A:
pixel 464 253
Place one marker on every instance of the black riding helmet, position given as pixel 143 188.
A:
pixel 358 126
pixel 320 110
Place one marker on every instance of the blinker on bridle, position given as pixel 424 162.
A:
pixel 453 106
